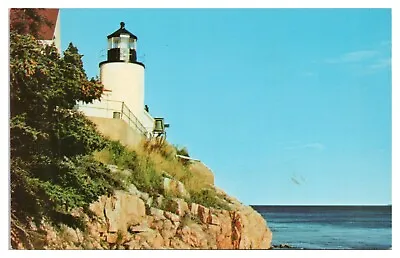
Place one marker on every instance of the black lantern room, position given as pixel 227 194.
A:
pixel 122 46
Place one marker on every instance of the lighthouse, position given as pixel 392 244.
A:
pixel 123 97
pixel 121 74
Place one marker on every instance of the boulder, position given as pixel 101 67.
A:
pixel 177 243
pixel 150 239
pixel 149 202
pixel 113 168
pixel 133 190
pixel 145 245
pixel 168 230
pixel 159 200
pixel 249 229
pixel 224 236
pixel 194 209
pixel 157 241
pixel 98 207
pixel 193 235
pixel 157 225
pixel 157 213
pixel 132 245
pixel 175 188
pixel 112 238
pixel 70 235
pixel 144 196
pixel 214 220
pixel 178 206
pixel 184 234
pixel 171 216
pixel 204 214
pixel 139 228
pixel 168 225
pixel 122 210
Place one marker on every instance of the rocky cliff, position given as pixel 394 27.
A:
pixel 135 220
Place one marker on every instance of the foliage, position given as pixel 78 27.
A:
pixel 167 151
pixel 150 161
pixel 165 160
pixel 165 204
pixel 183 151
pixel 50 142
pixel 209 198
pixel 148 164
pixel 144 175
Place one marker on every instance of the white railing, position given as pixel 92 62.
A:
pixel 113 109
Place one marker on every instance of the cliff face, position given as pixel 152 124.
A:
pixel 167 219
pixel 127 220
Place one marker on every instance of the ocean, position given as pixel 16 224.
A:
pixel 330 227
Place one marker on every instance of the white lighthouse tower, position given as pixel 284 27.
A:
pixel 121 74
pixel 123 79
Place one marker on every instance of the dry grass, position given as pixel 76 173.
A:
pixel 152 160
pixel 202 173
pixel 194 176
pixel 103 156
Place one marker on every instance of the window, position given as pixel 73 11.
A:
pixel 132 43
pixel 124 43
pixel 114 42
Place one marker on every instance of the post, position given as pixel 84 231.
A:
pixel 129 117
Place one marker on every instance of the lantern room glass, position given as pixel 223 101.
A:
pixel 132 43
pixel 122 42
pixel 114 42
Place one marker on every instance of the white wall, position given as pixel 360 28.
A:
pixel 148 121
pixel 126 83
pixel 57 33
pixel 106 108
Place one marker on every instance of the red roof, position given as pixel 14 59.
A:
pixel 46 32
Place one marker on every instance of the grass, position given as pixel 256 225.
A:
pixel 144 174
pixel 150 160
pixel 209 198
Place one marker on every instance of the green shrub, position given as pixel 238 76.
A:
pixel 73 182
pixel 208 198
pixel 121 156
pixel 163 148
pixel 165 204
pixel 183 151
pixel 50 143
pixel 144 175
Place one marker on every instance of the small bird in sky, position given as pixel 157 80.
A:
pixel 295 181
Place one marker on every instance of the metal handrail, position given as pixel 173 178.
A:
pixel 132 118
pixel 124 111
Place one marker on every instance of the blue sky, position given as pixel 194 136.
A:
pixel 287 106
